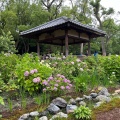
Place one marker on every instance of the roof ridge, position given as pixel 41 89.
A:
pixel 63 17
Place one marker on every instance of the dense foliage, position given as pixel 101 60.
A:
pixel 17 16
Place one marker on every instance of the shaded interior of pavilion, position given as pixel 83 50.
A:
pixel 63 32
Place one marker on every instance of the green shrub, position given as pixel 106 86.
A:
pixel 83 113
pixel 30 73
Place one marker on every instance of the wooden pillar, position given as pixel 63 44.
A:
pixel 38 48
pixel 62 49
pixel 81 48
pixel 89 49
pixel 66 43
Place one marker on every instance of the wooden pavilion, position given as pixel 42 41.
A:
pixel 64 32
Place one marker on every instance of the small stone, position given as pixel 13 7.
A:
pixel 72 101
pixel 44 113
pixel 60 102
pixel 78 99
pixel 97 104
pixel 71 108
pixel 34 114
pixel 117 91
pixel 53 109
pixel 59 115
pixel 24 116
pixel 43 118
pixel 87 97
pixel 82 103
pixel 93 95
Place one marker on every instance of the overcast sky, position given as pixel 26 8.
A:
pixel 111 3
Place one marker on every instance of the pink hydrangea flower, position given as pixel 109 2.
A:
pixel 55 88
pixel 68 87
pixel 62 87
pixel 50 78
pixel 68 81
pixel 62 76
pixel 26 73
pixel 32 72
pixel 56 85
pixel 35 70
pixel 78 60
pixel 72 63
pixel 58 75
pixel 65 80
pixel 44 89
pixel 38 79
pixel 35 80
pixel 57 81
pixel 45 82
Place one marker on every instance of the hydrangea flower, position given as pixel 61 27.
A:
pixel 35 80
pixel 35 71
pixel 38 79
pixel 44 89
pixel 26 73
pixel 56 85
pixel 62 87
pixel 72 63
pixel 68 87
pixel 32 72
pixel 45 82
pixel 55 88
pixel 81 69
pixel 50 78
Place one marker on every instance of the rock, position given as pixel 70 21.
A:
pixel 59 115
pixel 60 102
pixel 97 104
pixel 82 103
pixel 44 113
pixel 34 114
pixel 87 97
pixel 72 101
pixel 71 108
pixel 53 109
pixel 117 91
pixel 93 95
pixel 103 98
pixel 24 116
pixel 78 99
pixel 43 118
pixel 104 91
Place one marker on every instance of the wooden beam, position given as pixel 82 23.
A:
pixel 89 49
pixel 66 43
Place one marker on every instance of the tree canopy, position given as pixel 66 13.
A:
pixel 20 15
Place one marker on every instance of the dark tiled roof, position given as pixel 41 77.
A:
pixel 60 21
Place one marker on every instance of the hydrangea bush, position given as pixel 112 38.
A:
pixel 30 73
pixel 58 84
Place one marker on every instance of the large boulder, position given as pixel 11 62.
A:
pixel 53 109
pixel 104 91
pixel 70 108
pixel 103 98
pixel 60 102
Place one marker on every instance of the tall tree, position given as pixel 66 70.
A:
pixel 100 14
